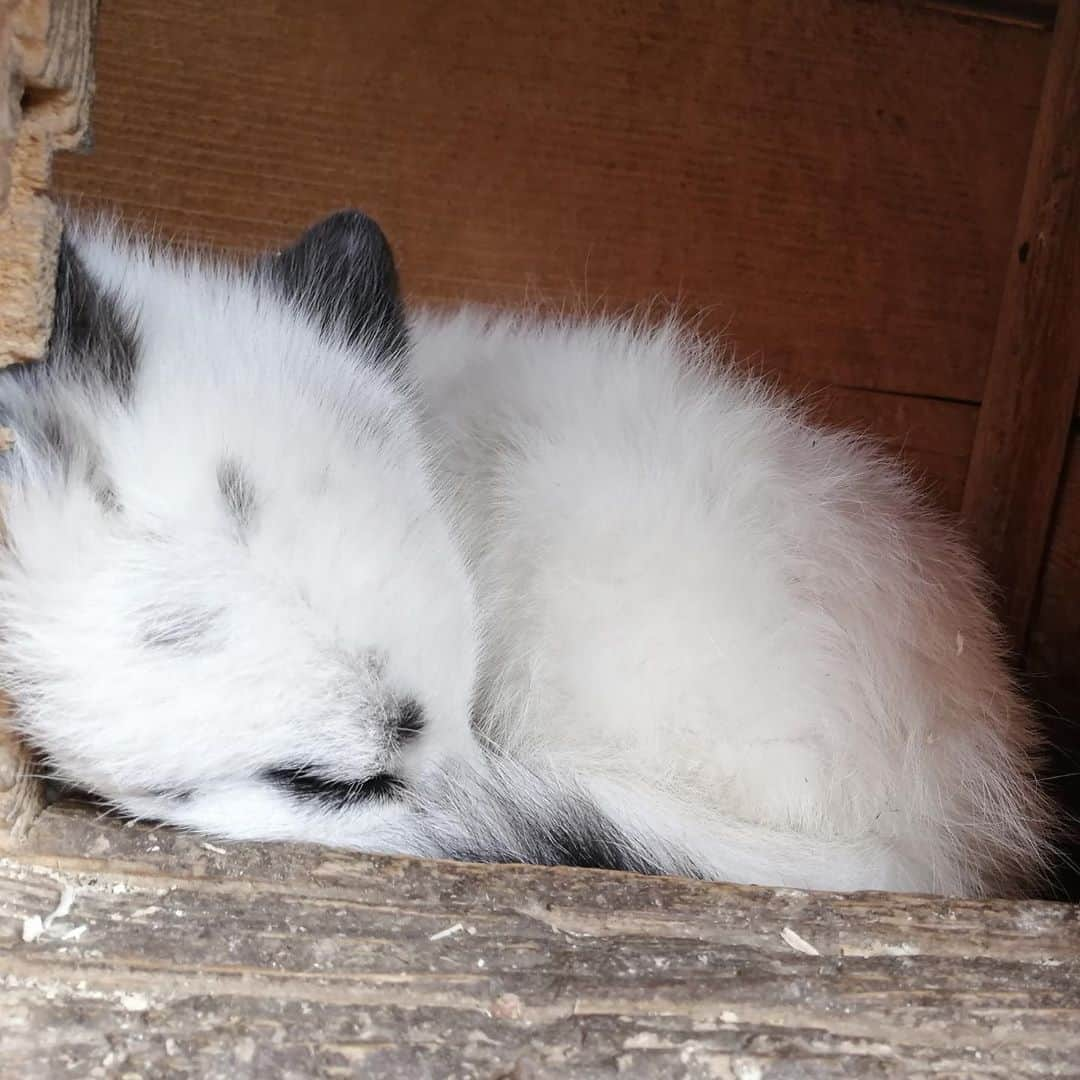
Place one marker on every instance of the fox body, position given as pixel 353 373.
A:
pixel 284 561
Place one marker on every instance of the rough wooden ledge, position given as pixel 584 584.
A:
pixel 130 951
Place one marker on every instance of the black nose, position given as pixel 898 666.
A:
pixel 409 721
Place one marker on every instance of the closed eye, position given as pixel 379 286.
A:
pixel 307 784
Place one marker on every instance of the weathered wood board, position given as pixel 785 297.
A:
pixel 1030 393
pixel 46 83
pixel 130 951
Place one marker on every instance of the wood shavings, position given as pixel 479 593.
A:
pixel 448 932
pixel 34 926
pixel 799 944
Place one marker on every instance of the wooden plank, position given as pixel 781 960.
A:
pixel 45 90
pixel 1055 631
pixel 139 951
pixel 1053 670
pixel 1031 385
pixel 835 182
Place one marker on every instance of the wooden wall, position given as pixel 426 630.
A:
pixel 1053 652
pixel 836 183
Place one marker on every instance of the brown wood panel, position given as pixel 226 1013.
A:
pixel 141 952
pixel 1053 662
pixel 837 182
pixel 1031 384
pixel 46 82
pixel 1054 646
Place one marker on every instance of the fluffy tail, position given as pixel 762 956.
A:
pixel 501 810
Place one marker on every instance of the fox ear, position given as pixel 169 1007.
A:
pixel 342 273
pixel 92 340
pixel 93 348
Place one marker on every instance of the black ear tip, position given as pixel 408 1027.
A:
pixel 91 332
pixel 342 272
pixel 351 219
pixel 351 230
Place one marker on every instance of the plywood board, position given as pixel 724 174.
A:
pixel 837 183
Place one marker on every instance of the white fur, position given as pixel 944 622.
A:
pixel 347 594
pixel 690 591
pixel 741 637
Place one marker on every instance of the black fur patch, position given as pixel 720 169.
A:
pixel 307 784
pixel 176 795
pixel 342 273
pixel 91 336
pixel 56 438
pixel 67 444
pixel 107 499
pixel 575 832
pixel 409 721
pixel 591 842
pixel 237 490
pixel 180 628
pixel 93 342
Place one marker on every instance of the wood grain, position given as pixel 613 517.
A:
pixel 45 91
pixel 1055 633
pixel 1053 659
pixel 1031 385
pixel 171 956
pixel 836 182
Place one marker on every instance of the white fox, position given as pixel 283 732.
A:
pixel 285 562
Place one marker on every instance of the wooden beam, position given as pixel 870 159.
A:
pixel 1031 384
pixel 46 82
pixel 132 951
